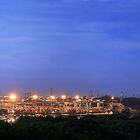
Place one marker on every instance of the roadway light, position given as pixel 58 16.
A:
pixel 35 97
pixel 63 104
pixel 112 98
pixel 63 96
pixel 52 97
pixel 51 100
pixel 12 97
pixel 77 97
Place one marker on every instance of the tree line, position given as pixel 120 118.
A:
pixel 114 127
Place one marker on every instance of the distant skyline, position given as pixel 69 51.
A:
pixel 70 45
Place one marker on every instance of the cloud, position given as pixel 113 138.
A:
pixel 16 39
pixel 58 41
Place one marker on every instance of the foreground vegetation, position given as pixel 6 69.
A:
pixel 116 127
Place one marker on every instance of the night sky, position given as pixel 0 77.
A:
pixel 70 45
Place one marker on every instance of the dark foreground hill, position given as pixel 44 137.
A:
pixel 116 127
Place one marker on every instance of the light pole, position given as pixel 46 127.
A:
pixel 34 97
pixel 77 99
pixel 112 101
pixel 12 98
pixel 1 102
pixel 51 99
pixel 88 105
pixel 112 98
pixel 63 98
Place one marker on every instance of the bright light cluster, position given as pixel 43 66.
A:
pixel 52 97
pixel 112 97
pixel 77 97
pixel 63 96
pixel 12 97
pixel 35 97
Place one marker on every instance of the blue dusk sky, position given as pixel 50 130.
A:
pixel 70 45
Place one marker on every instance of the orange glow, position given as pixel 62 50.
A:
pixel 35 97
pixel 77 97
pixel 112 97
pixel 63 96
pixel 12 97
pixel 52 97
